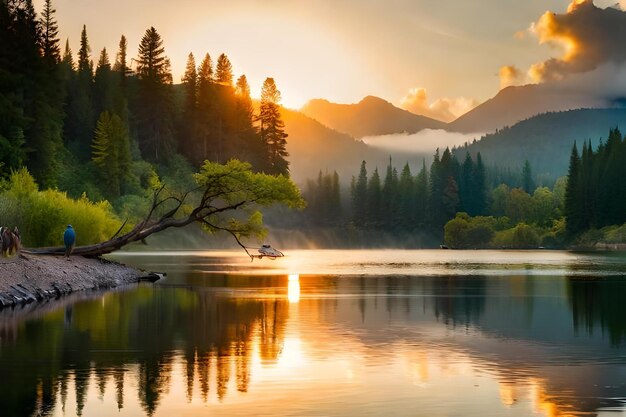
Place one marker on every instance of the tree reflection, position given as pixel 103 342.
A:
pixel 599 303
pixel 138 334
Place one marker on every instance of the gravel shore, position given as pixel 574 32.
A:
pixel 32 278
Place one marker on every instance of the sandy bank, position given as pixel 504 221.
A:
pixel 37 278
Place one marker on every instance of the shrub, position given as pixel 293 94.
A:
pixel 42 215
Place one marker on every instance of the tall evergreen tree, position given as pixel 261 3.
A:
pixel 421 196
pixel 359 197
pixel 573 201
pixel 480 187
pixel 154 107
pixel 406 199
pixel 111 153
pixel 374 200
pixel 272 130
pixel 528 184
pixel 224 71
pixel 467 186
pixel 206 112
pixel 250 148
pixel 50 35
pixel 85 64
pixel 188 140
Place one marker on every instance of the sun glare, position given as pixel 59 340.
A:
pixel 293 288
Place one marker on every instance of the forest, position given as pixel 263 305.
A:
pixel 87 142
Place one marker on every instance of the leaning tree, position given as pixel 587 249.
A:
pixel 227 197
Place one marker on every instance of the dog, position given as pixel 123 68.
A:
pixel 11 241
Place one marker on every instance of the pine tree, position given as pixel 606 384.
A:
pixel 251 148
pixel 272 130
pixel 111 152
pixel 374 197
pixel 573 207
pixel 359 197
pixel 85 65
pixel 50 32
pixel 224 71
pixel 188 140
pixel 480 187
pixel 467 186
pixel 206 112
pixel 104 85
pixel 406 199
pixel 154 102
pixel 421 196
pixel 528 184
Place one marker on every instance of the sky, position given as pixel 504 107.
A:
pixel 434 57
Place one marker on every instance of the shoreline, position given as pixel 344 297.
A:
pixel 36 278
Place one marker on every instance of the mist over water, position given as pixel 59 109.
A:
pixel 423 142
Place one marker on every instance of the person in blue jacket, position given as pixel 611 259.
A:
pixel 69 238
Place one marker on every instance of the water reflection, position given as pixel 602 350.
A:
pixel 323 345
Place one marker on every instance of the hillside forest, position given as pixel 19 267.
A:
pixel 86 141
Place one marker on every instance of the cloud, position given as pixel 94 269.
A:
pixel 588 36
pixel 445 109
pixel 510 75
pixel 422 142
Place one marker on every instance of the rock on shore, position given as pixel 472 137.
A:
pixel 36 278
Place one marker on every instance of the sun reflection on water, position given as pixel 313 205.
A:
pixel 293 288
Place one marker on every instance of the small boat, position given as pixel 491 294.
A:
pixel 269 252
pixel 443 247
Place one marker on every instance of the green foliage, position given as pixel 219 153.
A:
pixel 111 153
pixel 42 215
pixel 244 192
pixel 521 236
pixel 469 232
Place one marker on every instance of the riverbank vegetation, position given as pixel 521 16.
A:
pixel 89 143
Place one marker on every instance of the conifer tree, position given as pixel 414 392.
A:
pixel 573 207
pixel 224 71
pixel 359 197
pixel 85 65
pixel 154 101
pixel 421 196
pixel 406 199
pixel 250 145
pixel 374 197
pixel 111 152
pixel 188 138
pixel 480 187
pixel 528 184
pixel 272 130
pixel 467 186
pixel 50 32
pixel 206 111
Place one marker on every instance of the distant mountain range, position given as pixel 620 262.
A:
pixel 372 116
pixel 516 103
pixel 546 140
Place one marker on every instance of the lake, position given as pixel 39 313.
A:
pixel 330 333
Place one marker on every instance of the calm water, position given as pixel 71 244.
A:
pixel 330 333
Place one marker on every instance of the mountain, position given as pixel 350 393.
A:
pixel 313 147
pixel 517 103
pixel 546 140
pixel 372 116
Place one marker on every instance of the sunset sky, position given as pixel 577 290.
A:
pixel 422 51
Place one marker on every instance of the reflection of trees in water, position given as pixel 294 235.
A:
pixel 459 300
pixel 599 303
pixel 136 335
